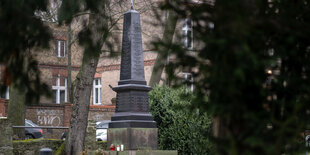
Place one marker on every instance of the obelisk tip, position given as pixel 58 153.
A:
pixel 131 2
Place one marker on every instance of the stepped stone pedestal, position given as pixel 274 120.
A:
pixel 132 124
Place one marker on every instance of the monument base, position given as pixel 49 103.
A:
pixel 133 138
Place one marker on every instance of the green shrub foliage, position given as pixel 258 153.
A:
pixel 179 128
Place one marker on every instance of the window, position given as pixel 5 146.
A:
pixel 59 89
pixel 6 94
pixel 60 48
pixel 188 79
pixel 187 33
pixel 97 91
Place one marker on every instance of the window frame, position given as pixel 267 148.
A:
pixel 189 87
pixel 99 87
pixel 58 88
pixel 6 94
pixel 58 48
pixel 185 29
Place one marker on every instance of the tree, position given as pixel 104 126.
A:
pixel 167 39
pixel 102 19
pixel 16 111
pixel 92 38
pixel 253 64
pixel 21 31
pixel 179 127
pixel 51 16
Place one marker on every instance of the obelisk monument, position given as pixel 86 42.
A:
pixel 132 124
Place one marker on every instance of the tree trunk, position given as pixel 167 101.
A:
pixel 16 111
pixel 167 40
pixel 69 36
pixel 79 118
pixel 92 39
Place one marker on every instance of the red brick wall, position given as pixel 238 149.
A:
pixel 100 112
pixel 67 114
pixel 59 114
pixel 3 107
pixel 46 115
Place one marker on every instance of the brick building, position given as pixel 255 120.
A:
pixel 53 66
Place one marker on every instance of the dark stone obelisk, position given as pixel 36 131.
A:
pixel 132 124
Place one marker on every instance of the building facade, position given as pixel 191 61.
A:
pixel 53 63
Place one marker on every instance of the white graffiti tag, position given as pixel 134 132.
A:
pixel 49 117
pixel 49 120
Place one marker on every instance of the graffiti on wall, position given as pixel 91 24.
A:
pixel 49 117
